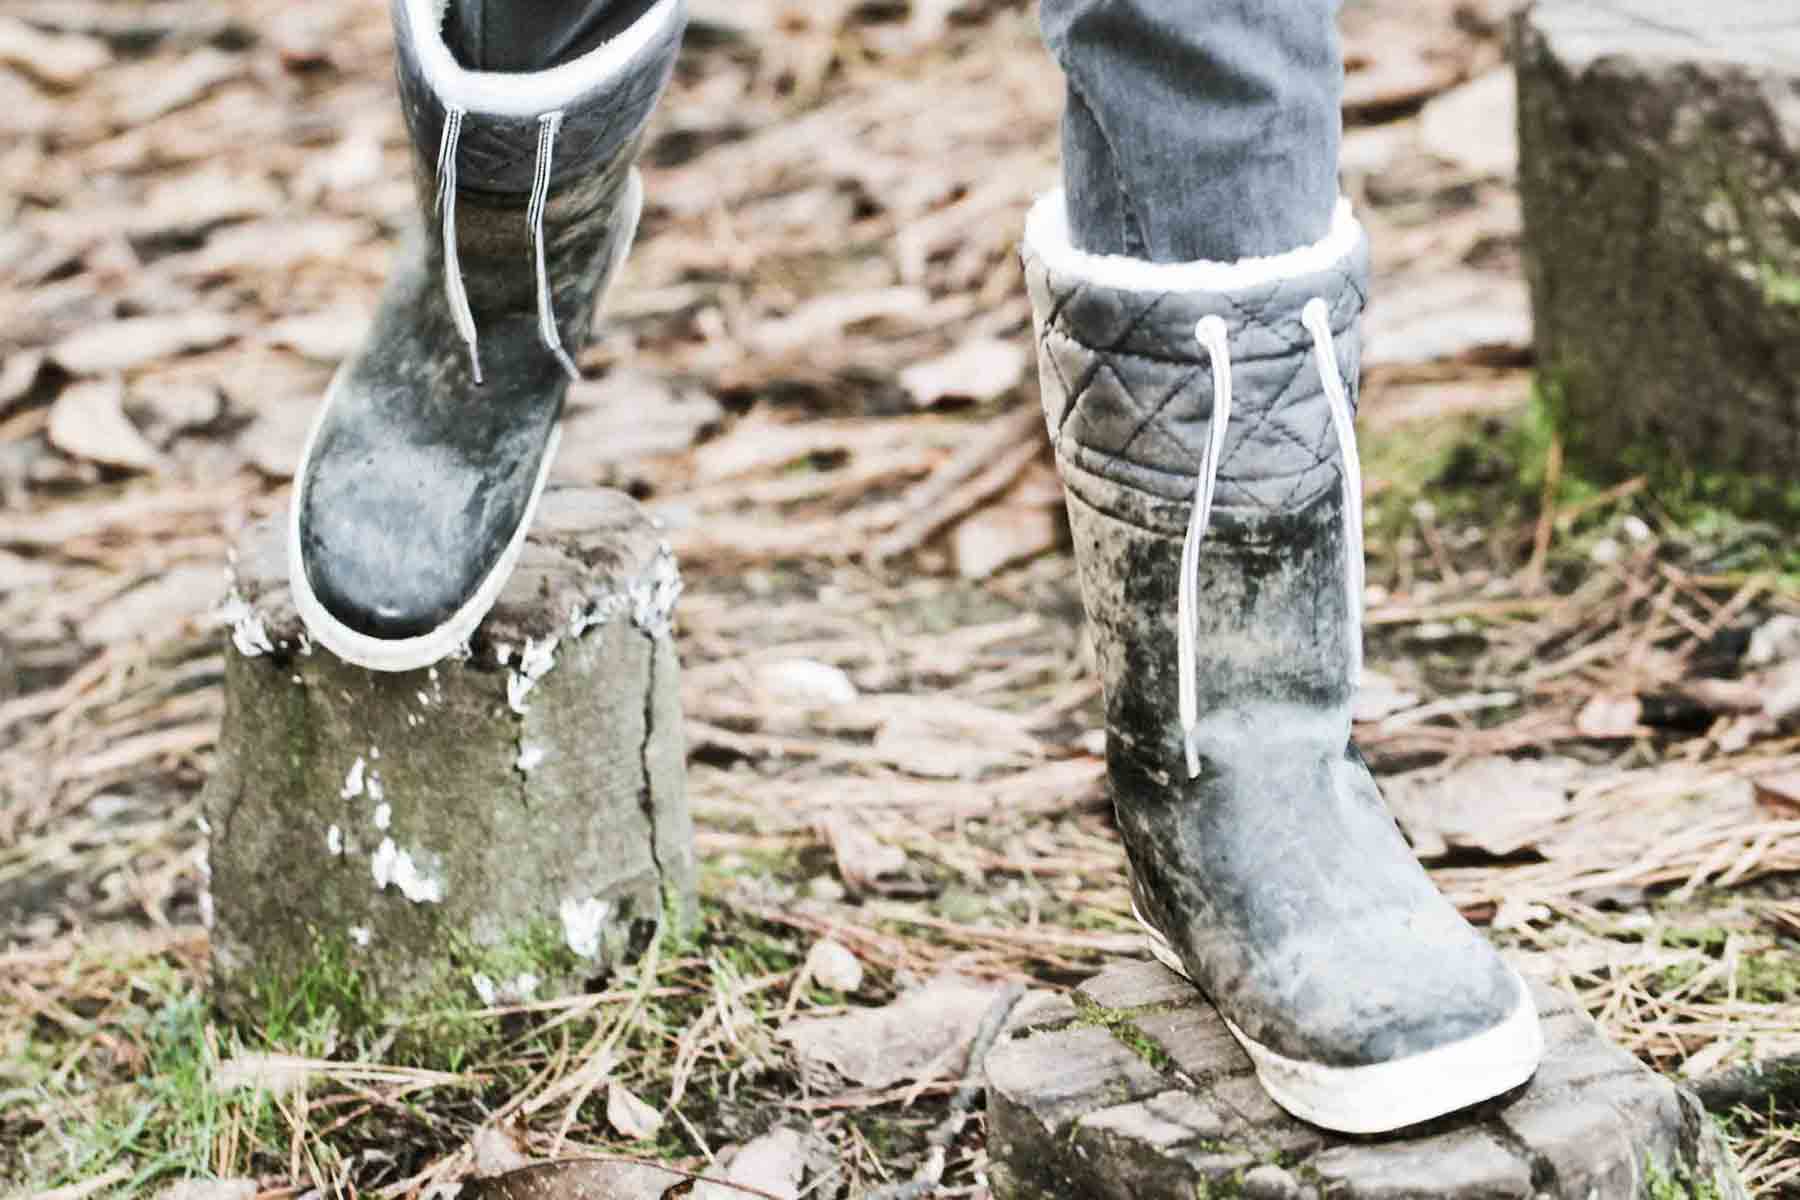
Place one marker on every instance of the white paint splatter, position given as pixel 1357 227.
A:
pixel 424 699
pixel 529 757
pixel 376 791
pixel 384 815
pixel 535 662
pixel 484 988
pixel 582 921
pixel 334 841
pixel 600 612
pixel 248 633
pixel 502 653
pixel 396 866
pixel 524 986
pixel 206 908
pixel 375 753
pixel 353 782
pixel 203 825
pixel 654 594
pixel 360 935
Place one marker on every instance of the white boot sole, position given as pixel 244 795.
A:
pixel 423 650
pixel 1382 1097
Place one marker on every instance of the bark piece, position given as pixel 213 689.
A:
pixel 497 828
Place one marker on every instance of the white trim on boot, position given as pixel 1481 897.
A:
pixel 526 94
pixel 1047 233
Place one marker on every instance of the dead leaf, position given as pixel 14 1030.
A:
pixel 272 442
pixel 832 965
pixel 944 737
pixel 1781 691
pixel 497 1149
pixel 196 200
pixel 1609 716
pixel 122 345
pixel 277 1074
pixel 1023 522
pixel 1778 794
pixel 980 369
pixel 1379 696
pixel 211 1189
pixel 1775 640
pixel 88 421
pixel 576 1180
pixel 1475 125
pixel 165 408
pixel 804 683
pixel 1493 805
pixel 925 1034
pixel 862 858
pixel 627 417
pixel 162 609
pixel 59 60
pixel 275 245
pixel 178 85
pixel 829 315
pixel 774 1163
pixel 630 1116
pixel 1464 316
pixel 330 335
pixel 19 373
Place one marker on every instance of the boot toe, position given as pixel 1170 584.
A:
pixel 394 547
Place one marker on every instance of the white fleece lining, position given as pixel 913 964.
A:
pixel 1047 234
pixel 529 94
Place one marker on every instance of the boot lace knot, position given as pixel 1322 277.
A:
pixel 1212 334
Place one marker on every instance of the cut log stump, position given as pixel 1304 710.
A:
pixel 1137 1091
pixel 1660 180
pixel 502 827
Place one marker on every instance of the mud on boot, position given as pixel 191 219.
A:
pixel 425 463
pixel 1202 421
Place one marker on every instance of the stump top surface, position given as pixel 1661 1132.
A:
pixel 1145 1094
pixel 588 549
pixel 1746 32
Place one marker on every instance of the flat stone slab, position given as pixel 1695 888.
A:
pixel 499 828
pixel 1139 1092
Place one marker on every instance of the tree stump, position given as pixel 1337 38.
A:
pixel 1660 177
pixel 1137 1091
pixel 502 827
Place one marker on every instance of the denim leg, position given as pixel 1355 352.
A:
pixel 1198 129
pixel 532 35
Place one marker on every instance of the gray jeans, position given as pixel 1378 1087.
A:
pixel 1193 128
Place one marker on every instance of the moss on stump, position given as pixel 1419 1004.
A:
pixel 1660 179
pixel 502 827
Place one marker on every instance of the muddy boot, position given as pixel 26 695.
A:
pixel 423 469
pixel 1203 427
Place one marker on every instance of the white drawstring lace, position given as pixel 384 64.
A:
pixel 1212 334
pixel 548 124
pixel 455 291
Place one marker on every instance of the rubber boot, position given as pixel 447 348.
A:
pixel 420 476
pixel 1202 415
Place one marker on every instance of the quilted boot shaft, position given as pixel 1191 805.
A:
pixel 1267 866
pixel 417 486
